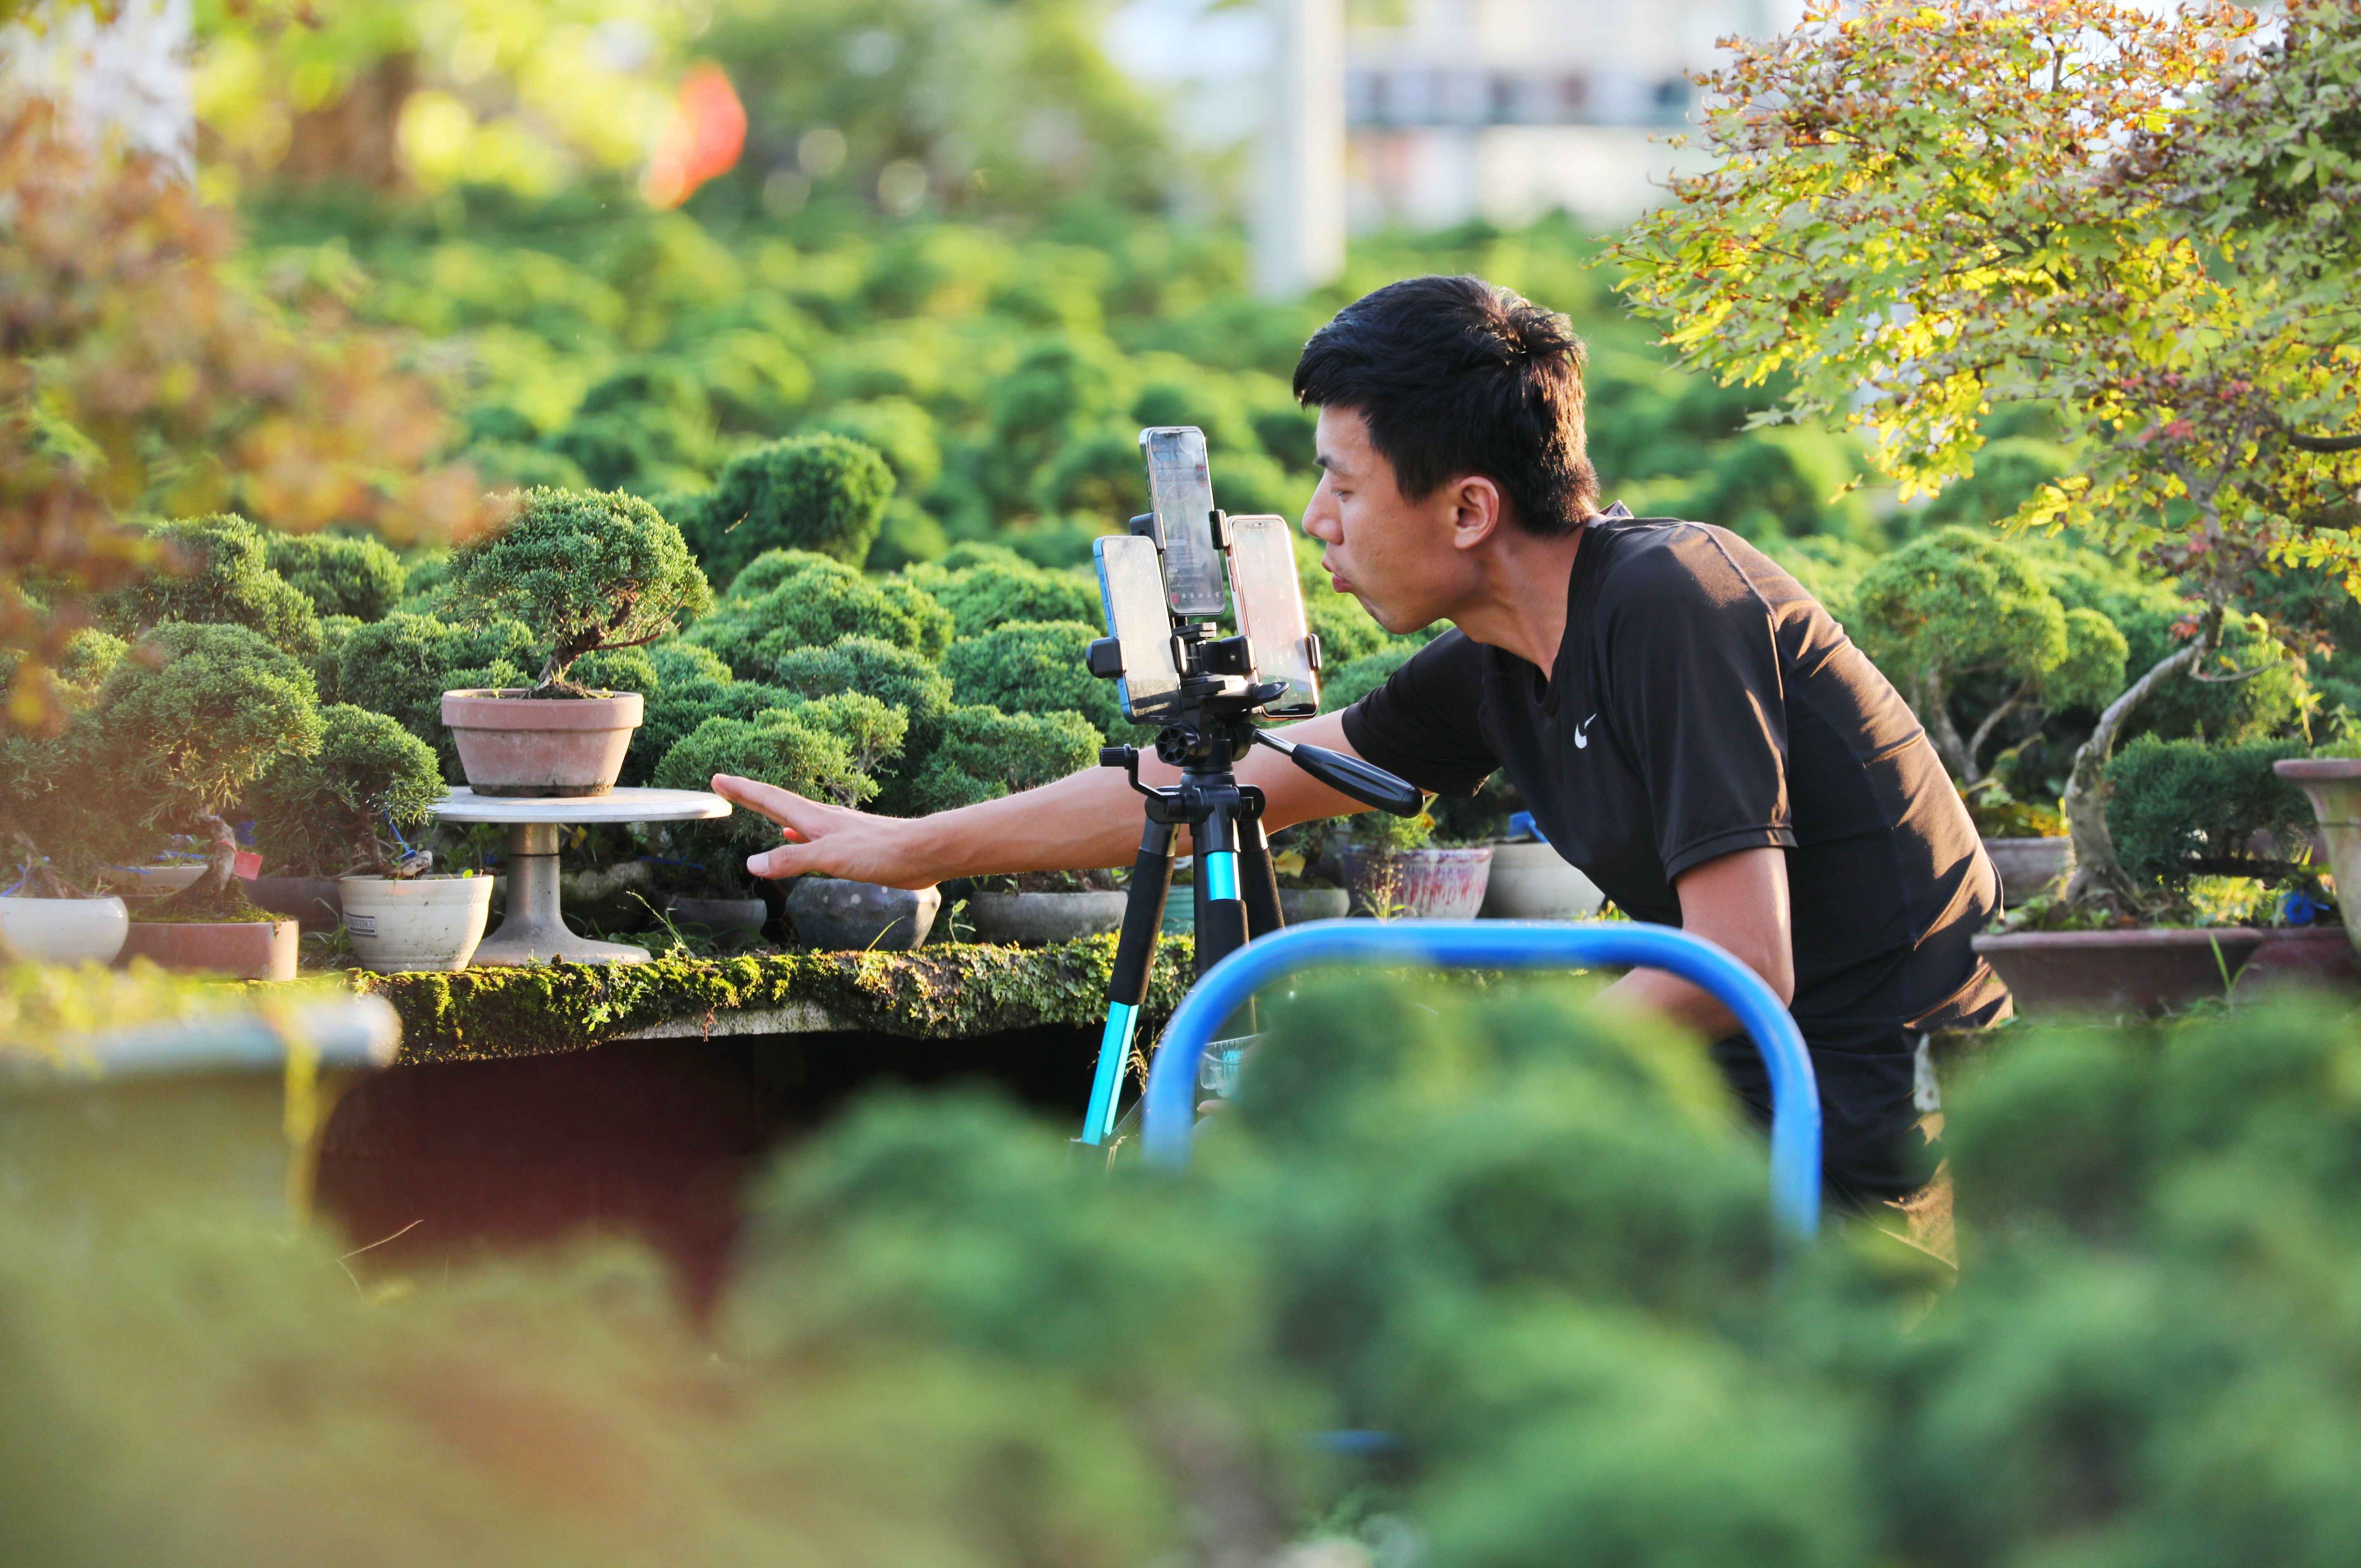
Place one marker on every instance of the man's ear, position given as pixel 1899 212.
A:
pixel 1478 510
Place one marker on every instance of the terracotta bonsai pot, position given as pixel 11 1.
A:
pixel 1422 885
pixel 422 923
pixel 63 930
pixel 138 883
pixel 2142 970
pixel 1530 880
pixel 1039 918
pixel 513 744
pixel 2318 958
pixel 837 916
pixel 241 949
pixel 2332 784
pixel 2028 866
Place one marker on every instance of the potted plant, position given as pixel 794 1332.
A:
pixel 586 571
pixel 339 812
pixel 2180 813
pixel 183 725
pixel 1394 870
pixel 51 911
pixel 1045 907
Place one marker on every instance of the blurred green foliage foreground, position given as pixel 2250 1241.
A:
pixel 1533 1251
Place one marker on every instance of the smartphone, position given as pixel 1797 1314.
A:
pixel 1270 613
pixel 1181 498
pixel 1131 593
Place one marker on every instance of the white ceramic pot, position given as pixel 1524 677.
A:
pixel 1534 882
pixel 64 930
pixel 427 923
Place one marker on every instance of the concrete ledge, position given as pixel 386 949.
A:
pixel 951 991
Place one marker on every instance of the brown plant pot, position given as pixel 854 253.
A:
pixel 1422 885
pixel 2028 866
pixel 312 902
pixel 2316 958
pixel 241 949
pixel 514 744
pixel 2144 970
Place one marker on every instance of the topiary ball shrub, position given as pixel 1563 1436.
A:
pixel 333 812
pixel 996 592
pixel 401 666
pixel 216 570
pixel 825 750
pixel 819 493
pixel 359 577
pixel 585 572
pixel 791 599
pixel 985 753
pixel 677 708
pixel 1037 666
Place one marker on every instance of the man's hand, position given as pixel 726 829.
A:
pixel 831 838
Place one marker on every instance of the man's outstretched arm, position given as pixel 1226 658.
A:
pixel 1092 819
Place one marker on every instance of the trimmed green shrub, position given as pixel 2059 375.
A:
pixel 677 659
pixel 2183 808
pixel 899 430
pixel 218 571
pixel 1345 686
pixel 1037 666
pixel 677 708
pixel 894 676
pixel 985 753
pixel 183 725
pixel 910 535
pixel 401 666
pixel 787 599
pixel 994 592
pixel 336 631
pixel 327 814
pixel 817 493
pixel 779 746
pixel 359 577
pixel 585 572
pixel 1344 627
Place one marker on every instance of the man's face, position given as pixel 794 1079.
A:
pixel 1392 553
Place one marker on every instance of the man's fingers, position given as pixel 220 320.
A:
pixel 786 861
pixel 783 806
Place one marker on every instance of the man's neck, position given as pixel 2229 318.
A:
pixel 1522 607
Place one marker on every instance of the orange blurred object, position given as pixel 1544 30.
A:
pixel 707 134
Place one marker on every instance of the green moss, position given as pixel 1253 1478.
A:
pixel 950 991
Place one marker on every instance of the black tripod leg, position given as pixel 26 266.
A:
pixel 1257 880
pixel 1222 910
pixel 1135 956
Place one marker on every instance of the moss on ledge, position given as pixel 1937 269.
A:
pixel 947 991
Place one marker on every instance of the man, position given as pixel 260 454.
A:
pixel 1688 725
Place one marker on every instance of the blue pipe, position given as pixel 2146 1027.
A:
pixel 1171 1101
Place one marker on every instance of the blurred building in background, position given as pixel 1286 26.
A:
pixel 1448 109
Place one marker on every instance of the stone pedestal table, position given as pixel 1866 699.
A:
pixel 533 932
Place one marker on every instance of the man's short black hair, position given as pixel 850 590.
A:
pixel 1454 377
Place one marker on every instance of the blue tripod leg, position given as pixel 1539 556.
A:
pixel 1135 956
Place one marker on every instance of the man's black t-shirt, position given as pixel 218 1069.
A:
pixel 1703 703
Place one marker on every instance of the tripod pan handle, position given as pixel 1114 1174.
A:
pixel 1370 785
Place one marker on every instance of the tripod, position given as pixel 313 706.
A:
pixel 1237 893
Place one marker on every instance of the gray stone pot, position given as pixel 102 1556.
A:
pixel 724 919
pixel 1297 905
pixel 314 903
pixel 836 916
pixel 1032 918
pixel 1534 882
pixel 2028 866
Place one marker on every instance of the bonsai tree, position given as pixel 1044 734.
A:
pixel 826 749
pixel 985 753
pixel 1957 605
pixel 359 577
pixel 2178 809
pixel 1920 218
pixel 586 571
pixel 994 593
pixel 821 493
pixel 329 813
pixel 216 569
pixel 400 666
pixel 186 721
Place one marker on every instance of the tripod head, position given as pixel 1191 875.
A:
pixel 1162 588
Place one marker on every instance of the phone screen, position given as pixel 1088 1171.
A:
pixel 1131 592
pixel 1180 495
pixel 1270 612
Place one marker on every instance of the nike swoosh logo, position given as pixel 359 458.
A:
pixel 1581 740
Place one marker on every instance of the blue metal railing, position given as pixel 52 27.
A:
pixel 1170 1105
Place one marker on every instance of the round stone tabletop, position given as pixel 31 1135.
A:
pixel 463 805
